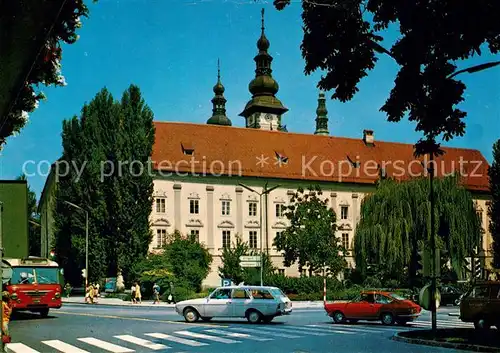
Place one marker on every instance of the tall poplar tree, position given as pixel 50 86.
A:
pixel 494 208
pixel 112 141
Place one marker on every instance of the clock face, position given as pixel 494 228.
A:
pixel 269 117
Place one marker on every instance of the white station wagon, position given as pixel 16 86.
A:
pixel 255 303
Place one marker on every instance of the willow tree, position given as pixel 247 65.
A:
pixel 395 224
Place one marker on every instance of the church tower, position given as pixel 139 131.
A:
pixel 219 103
pixel 321 116
pixel 264 110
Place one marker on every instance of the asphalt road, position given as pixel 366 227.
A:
pixel 98 328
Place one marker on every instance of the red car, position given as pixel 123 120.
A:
pixel 373 306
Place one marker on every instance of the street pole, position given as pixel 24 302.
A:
pixel 2 346
pixel 86 249
pixel 261 247
pixel 433 246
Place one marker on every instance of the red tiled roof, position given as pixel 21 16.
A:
pixel 254 153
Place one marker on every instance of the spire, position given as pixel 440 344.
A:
pixel 219 103
pixel 321 116
pixel 263 87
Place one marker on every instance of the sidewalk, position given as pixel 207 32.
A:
pixel 149 303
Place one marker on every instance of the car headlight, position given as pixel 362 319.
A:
pixel 13 296
pixel 58 295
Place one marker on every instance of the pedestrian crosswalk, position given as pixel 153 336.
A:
pixel 197 338
pixel 450 323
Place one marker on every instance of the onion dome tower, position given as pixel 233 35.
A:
pixel 264 110
pixel 219 103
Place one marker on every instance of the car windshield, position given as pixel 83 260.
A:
pixel 276 292
pixel 397 296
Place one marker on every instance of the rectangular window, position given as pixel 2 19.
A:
pixel 280 210
pixel 226 239
pixel 261 294
pixel 345 241
pixel 303 273
pixel 226 208
pixel 480 215
pixel 240 294
pixel 252 239
pixel 195 233
pixel 281 271
pixel 194 206
pixel 161 238
pixel 252 209
pixel 161 205
pixel 344 211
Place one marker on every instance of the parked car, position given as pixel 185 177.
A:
pixel 255 303
pixel 373 306
pixel 481 305
pixel 450 295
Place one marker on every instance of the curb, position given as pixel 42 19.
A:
pixel 460 346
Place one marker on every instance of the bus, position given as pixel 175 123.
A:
pixel 34 285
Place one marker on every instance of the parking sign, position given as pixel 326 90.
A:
pixel 226 282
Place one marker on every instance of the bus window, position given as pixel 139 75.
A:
pixel 48 275
pixel 22 275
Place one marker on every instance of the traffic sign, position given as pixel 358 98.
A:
pixel 250 258
pixel 226 282
pixel 250 264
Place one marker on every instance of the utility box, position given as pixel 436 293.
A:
pixel 14 232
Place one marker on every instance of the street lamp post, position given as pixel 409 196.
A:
pixel 261 194
pixel 86 241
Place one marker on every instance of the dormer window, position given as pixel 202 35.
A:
pixel 354 163
pixel 281 158
pixel 187 148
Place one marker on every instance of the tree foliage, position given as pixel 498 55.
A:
pixel 310 238
pixel 494 208
pixel 231 265
pixel 107 153
pixel 34 230
pixel 395 225
pixel 343 37
pixel 183 261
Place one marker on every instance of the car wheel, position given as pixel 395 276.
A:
pixel 206 319
pixel 254 317
pixel 338 317
pixel 191 315
pixel 387 318
pixel 481 324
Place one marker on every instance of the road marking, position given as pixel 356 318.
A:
pixel 19 348
pixel 138 319
pixel 238 335
pixel 142 342
pixel 206 337
pixel 177 339
pixel 63 347
pixel 324 330
pixel 110 347
pixel 277 334
pixel 357 328
pixel 291 331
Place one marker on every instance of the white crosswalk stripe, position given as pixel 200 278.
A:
pixel 110 347
pixel 19 348
pixel 276 334
pixel 238 335
pixel 206 337
pixel 63 346
pixel 291 330
pixel 177 339
pixel 142 342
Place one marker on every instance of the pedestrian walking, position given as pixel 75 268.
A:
pixel 132 293
pixel 156 294
pixel 97 289
pixel 138 293
pixel 7 311
pixel 67 289
pixel 171 296
pixel 91 294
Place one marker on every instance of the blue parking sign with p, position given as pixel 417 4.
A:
pixel 226 282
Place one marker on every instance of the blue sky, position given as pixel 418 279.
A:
pixel 169 48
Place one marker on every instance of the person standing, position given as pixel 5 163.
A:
pixel 171 297
pixel 138 293
pixel 7 311
pixel 156 294
pixel 132 293
pixel 97 290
